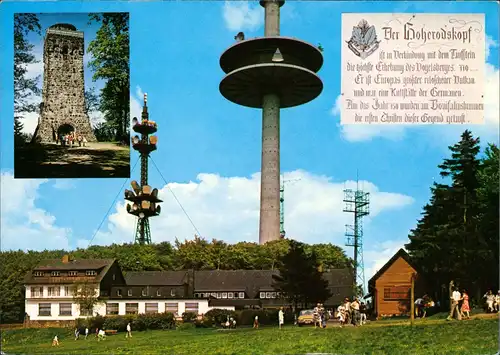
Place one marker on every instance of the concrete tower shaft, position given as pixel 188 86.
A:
pixel 271 72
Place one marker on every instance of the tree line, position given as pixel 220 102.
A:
pixel 110 53
pixel 457 236
pixel 197 254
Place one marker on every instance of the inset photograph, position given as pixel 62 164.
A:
pixel 71 95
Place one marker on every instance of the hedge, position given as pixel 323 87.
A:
pixel 152 321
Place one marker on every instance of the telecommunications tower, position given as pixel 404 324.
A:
pixel 145 201
pixel 270 73
pixel 358 203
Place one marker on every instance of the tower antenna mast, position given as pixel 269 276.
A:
pixel 358 203
pixel 282 204
pixel 145 201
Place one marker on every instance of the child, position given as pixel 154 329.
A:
pixel 86 332
pixel 102 335
pixel 129 331
pixel 256 322
pixel 77 333
pixel 55 341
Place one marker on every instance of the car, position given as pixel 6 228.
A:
pixel 305 317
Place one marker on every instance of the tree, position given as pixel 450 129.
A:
pixel 86 296
pixel 445 242
pixel 299 279
pixel 110 62
pixel 25 89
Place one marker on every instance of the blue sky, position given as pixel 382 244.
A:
pixel 175 51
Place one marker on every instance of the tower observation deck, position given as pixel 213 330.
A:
pixel 271 72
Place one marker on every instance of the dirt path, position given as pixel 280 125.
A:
pixel 95 160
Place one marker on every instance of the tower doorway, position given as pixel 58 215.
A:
pixel 65 129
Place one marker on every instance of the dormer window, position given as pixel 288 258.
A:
pixel 38 273
pixel 158 293
pixel 90 273
pixel 172 293
pixel 54 273
pixel 144 292
pixel 118 292
pixel 73 273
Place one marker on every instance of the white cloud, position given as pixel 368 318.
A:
pixel 63 184
pixel 487 131
pixel 227 208
pixel 24 225
pixel 240 15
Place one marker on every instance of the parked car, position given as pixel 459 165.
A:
pixel 305 317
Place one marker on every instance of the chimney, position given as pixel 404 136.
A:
pixel 66 259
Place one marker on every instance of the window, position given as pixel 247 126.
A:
pixel 68 291
pixel 172 308
pixel 218 294
pixel 213 294
pixel 54 291
pixel 268 294
pixel 262 295
pixel 158 292
pixel 36 292
pixel 38 273
pixel 192 307
pixel 119 292
pixel 273 294
pixel 111 308
pixel 54 273
pixel 242 294
pixel 90 273
pixel 44 309
pixel 144 292
pixel 172 293
pixel 230 295
pixel 129 293
pixel 114 277
pixel 224 294
pixel 64 309
pixel 151 307
pixel 196 295
pixel 396 293
pixel 73 273
pixel 131 308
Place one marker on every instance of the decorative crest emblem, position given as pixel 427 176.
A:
pixel 363 41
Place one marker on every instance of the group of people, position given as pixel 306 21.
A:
pixel 492 301
pixel 423 305
pixel 100 334
pixel 352 312
pixel 71 139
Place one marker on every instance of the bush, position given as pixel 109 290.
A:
pixel 189 317
pixel 215 317
pixel 138 322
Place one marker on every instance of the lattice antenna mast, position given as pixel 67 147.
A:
pixel 358 203
pixel 145 201
pixel 282 204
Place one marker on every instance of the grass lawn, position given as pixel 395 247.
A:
pixel 433 336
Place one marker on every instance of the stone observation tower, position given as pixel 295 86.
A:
pixel 63 93
pixel 271 73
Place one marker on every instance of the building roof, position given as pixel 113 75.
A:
pixel 101 266
pixel 249 281
pixel 401 253
pixel 156 278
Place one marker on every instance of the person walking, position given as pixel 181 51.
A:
pixel 86 332
pixel 55 341
pixel 129 331
pixel 281 317
pixel 465 309
pixel 77 333
pixel 355 311
pixel 362 313
pixel 455 299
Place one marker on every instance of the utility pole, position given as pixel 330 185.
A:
pixel 145 201
pixel 282 204
pixel 358 203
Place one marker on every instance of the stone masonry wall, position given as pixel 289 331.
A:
pixel 63 90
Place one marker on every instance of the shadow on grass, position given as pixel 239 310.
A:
pixel 36 161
